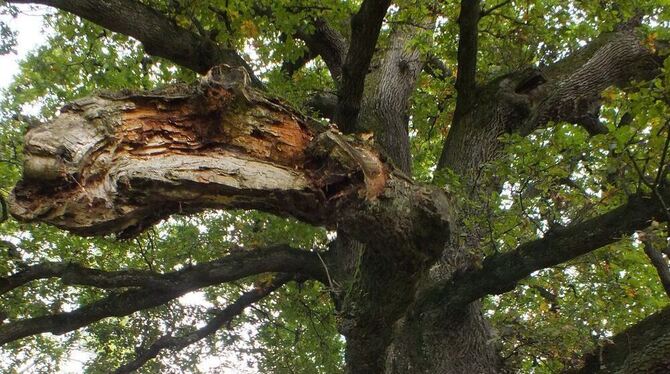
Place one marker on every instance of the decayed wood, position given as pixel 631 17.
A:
pixel 119 163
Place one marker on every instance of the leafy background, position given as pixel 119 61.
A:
pixel 549 179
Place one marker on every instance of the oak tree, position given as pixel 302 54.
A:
pixel 414 186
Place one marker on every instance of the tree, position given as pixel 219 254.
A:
pixel 467 187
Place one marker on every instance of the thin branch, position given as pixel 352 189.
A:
pixel 222 318
pixel 659 262
pixel 664 155
pixel 486 12
pixel 117 304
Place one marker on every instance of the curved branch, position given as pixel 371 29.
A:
pixel 324 41
pixel 160 289
pixel 499 273
pixel 365 29
pixel 120 163
pixel 328 43
pixel 568 90
pixel 255 261
pixel 159 35
pixel 324 104
pixel 223 317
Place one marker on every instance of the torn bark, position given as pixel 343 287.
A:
pixel 120 163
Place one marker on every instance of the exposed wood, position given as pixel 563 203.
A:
pixel 120 163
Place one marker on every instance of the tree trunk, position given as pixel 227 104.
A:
pixel 120 163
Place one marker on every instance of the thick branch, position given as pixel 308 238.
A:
pixel 468 21
pixel 224 317
pixel 365 29
pixel 328 43
pixel 499 273
pixel 159 35
pixel 255 261
pixel 568 90
pixel 120 163
pixel 291 67
pixel 386 103
pixel 170 286
pixel 324 104
pixel 324 41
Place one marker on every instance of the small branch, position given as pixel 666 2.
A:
pixel 656 258
pixel 662 166
pixel 436 68
pixel 486 12
pixel 222 318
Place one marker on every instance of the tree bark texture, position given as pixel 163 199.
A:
pixel 405 283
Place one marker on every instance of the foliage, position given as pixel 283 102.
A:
pixel 556 176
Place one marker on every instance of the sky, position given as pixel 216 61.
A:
pixel 28 24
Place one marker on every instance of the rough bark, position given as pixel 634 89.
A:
pixel 120 163
pixel 527 100
pixel 518 102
